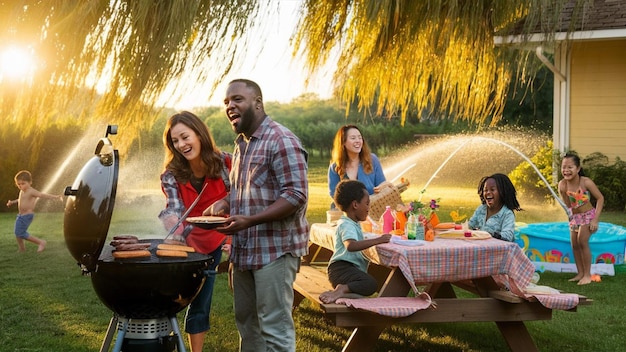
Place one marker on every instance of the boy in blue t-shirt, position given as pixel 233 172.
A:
pixel 347 269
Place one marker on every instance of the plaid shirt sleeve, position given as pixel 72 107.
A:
pixel 291 168
pixel 174 207
pixel 174 204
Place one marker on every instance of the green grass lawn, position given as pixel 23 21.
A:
pixel 46 305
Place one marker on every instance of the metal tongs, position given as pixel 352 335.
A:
pixel 182 218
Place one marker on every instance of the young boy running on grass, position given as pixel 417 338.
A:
pixel 26 210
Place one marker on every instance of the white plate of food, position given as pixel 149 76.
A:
pixel 206 222
pixel 460 234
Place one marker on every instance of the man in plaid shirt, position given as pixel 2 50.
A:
pixel 267 207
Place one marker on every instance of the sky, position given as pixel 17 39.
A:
pixel 269 63
pixel 280 77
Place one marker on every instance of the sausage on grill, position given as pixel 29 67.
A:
pixel 132 246
pixel 116 243
pixel 126 237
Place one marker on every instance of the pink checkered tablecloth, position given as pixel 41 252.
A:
pixel 396 307
pixel 450 260
pixel 455 260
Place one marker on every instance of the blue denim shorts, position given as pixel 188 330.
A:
pixel 197 317
pixel 22 222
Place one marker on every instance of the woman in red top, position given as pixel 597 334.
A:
pixel 192 161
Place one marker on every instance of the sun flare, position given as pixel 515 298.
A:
pixel 16 63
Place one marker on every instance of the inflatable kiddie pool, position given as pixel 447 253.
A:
pixel 550 242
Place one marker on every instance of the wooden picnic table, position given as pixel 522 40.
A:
pixel 496 272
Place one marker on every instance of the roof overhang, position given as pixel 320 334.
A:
pixel 562 36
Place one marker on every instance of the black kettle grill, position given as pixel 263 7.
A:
pixel 144 293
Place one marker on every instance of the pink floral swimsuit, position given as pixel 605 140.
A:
pixel 578 199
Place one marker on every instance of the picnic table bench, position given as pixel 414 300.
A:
pixel 311 281
pixel 489 303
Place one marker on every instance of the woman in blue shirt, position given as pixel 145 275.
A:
pixel 495 215
pixel 352 159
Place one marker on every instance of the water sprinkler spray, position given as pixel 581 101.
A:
pixel 402 172
pixel 558 199
pixel 439 169
pixel 534 168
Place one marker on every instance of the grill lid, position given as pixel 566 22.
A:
pixel 90 204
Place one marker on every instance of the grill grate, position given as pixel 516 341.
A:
pixel 107 256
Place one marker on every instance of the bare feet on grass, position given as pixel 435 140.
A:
pixel 585 280
pixel 42 246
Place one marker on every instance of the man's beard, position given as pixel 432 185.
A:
pixel 245 121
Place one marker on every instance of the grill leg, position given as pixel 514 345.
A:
pixel 109 334
pixel 120 337
pixel 181 342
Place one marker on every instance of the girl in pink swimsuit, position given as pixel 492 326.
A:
pixel 576 190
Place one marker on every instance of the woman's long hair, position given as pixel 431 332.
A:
pixel 339 154
pixel 209 153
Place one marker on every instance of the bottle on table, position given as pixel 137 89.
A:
pixel 400 221
pixel 419 230
pixel 388 220
pixel 411 227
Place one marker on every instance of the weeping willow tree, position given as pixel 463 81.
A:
pixel 109 61
pixel 426 56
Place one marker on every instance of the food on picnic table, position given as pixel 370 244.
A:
pixel 473 234
pixel 444 225
pixel 171 253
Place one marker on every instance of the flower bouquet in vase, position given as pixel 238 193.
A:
pixel 426 214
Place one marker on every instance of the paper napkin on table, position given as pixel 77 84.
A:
pixel 398 240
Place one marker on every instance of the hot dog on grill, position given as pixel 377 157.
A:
pixel 131 254
pixel 176 247
pixel 171 253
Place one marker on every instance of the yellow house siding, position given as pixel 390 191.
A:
pixel 598 98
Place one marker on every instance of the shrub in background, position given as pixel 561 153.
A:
pixel 526 180
pixel 608 178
